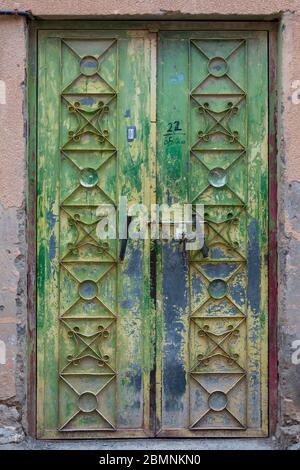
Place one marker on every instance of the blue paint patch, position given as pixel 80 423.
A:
pixel 88 101
pixel 50 217
pixel 132 403
pixel 127 304
pixel 237 290
pixel 253 267
pixel 215 309
pixel 134 271
pixel 135 377
pixel 197 285
pixel 52 247
pixel 177 79
pixel 175 302
pixel 217 253
pixel 221 270
pixel 135 261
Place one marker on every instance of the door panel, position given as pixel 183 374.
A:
pixel 93 341
pixel 212 150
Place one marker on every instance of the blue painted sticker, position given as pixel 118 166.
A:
pixel 131 133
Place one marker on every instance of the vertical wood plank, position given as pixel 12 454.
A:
pixel 272 255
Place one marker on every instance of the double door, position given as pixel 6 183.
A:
pixel 145 337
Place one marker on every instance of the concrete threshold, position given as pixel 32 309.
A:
pixel 146 444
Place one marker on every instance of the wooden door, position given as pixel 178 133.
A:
pixel 94 352
pixel 212 129
pixel 159 340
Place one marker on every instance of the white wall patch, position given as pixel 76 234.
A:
pixel 296 353
pixel 2 352
pixel 2 92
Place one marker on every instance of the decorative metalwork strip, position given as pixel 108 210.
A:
pixel 218 173
pixel 88 266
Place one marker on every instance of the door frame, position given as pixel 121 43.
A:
pixel 31 102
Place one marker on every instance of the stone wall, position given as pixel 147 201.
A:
pixel 12 223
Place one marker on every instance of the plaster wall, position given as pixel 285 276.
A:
pixel 13 251
pixel 12 218
pixel 72 8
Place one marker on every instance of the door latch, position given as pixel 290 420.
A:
pixel 184 240
pixel 123 243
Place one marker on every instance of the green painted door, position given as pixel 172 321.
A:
pixel 93 310
pixel 161 340
pixel 212 149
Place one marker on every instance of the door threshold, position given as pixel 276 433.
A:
pixel 147 444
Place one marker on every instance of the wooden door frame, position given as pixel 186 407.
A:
pixel 31 101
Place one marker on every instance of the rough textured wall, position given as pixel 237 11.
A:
pixel 289 229
pixel 13 178
pixel 12 217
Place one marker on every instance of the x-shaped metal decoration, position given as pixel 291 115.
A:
pixel 111 314
pixel 97 186
pixel 214 122
pixel 66 379
pixel 89 121
pixel 220 232
pixel 87 345
pixel 215 345
pixel 100 58
pixel 240 377
pixel 85 235
pixel 226 58
pixel 226 185
pixel 209 298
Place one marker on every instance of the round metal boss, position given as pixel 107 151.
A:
pixel 87 402
pixel 217 66
pixel 88 290
pixel 217 177
pixel 88 178
pixel 217 401
pixel 217 288
pixel 89 66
